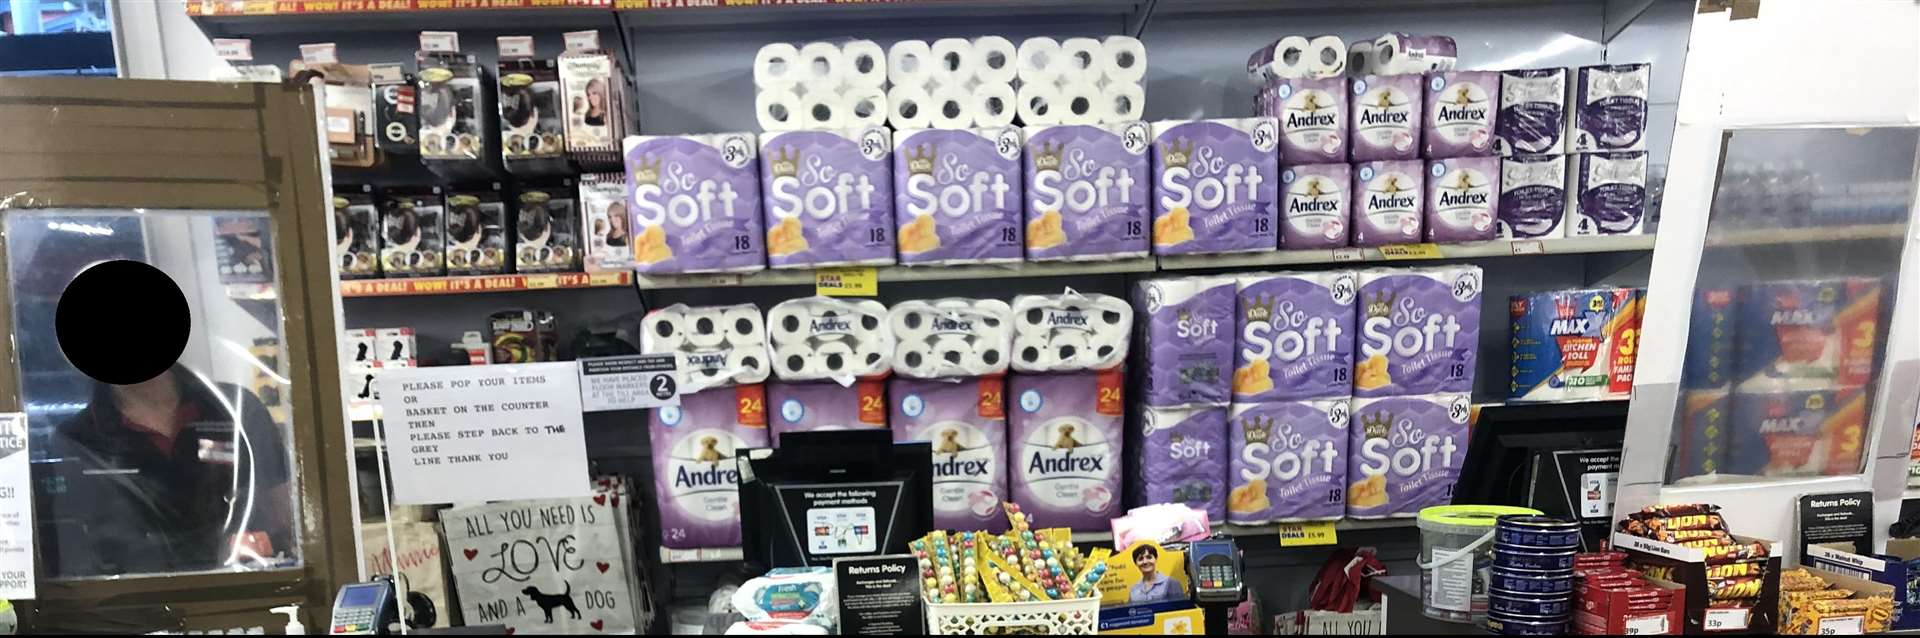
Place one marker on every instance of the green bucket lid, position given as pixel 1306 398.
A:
pixel 1470 515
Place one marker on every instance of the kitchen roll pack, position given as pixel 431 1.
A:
pixel 958 195
pixel 1804 333
pixel 1404 453
pixel 1313 118
pixel 695 203
pixel 828 197
pixel 965 420
pixel 1796 432
pixel 1297 56
pixel 715 345
pixel 1609 194
pixel 951 337
pixel 695 482
pixel 1186 340
pixel 1463 199
pixel 827 338
pixel 1067 332
pixel 1087 191
pixel 1419 330
pixel 1387 117
pixel 815 407
pixel 1182 458
pixel 1080 80
pixel 1287 461
pixel 1610 107
pixel 820 85
pixel 1701 445
pixel 1401 54
pixel 1296 336
pixel 1316 206
pixel 1216 184
pixel 1065 433
pixel 1574 345
pixel 1533 113
pixel 1389 204
pixel 1533 196
pixel 1461 111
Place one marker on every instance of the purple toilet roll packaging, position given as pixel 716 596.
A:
pixel 695 482
pixel 1387 113
pixel 1389 202
pixel 1533 197
pixel 1610 108
pixel 695 203
pixel 1065 434
pixel 1405 453
pixel 828 197
pixel 957 196
pixel 1610 194
pixel 1216 184
pixel 1419 330
pixel 1296 336
pixel 1463 198
pixel 1087 190
pixel 1533 113
pixel 1316 206
pixel 965 421
pixel 1461 109
pixel 1313 119
pixel 1186 340
pixel 1287 461
pixel 825 405
pixel 1182 456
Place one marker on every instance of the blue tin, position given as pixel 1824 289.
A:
pixel 1526 626
pixel 1539 532
pixel 1519 605
pixel 1517 557
pixel 1531 581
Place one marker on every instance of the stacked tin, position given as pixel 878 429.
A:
pixel 1530 587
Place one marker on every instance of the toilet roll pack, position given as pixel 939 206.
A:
pixel 1316 206
pixel 957 195
pixel 1533 196
pixel 1087 190
pixel 1574 345
pixel 1402 53
pixel 951 83
pixel 815 407
pixel 1065 433
pixel 1387 117
pixel 1296 336
pixel 1313 118
pixel 1419 330
pixel 695 203
pixel 1181 454
pixel 828 197
pixel 953 337
pixel 1610 107
pixel 1533 117
pixel 965 421
pixel 826 338
pixel 1463 199
pixel 694 478
pixel 1462 108
pixel 715 345
pixel 1080 80
pixel 1296 56
pixel 1216 185
pixel 1609 194
pixel 1186 340
pixel 1404 453
pixel 1389 204
pixel 1068 332
pixel 820 85
pixel 1287 461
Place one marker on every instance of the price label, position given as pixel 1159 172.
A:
pixel 1349 254
pixel 1655 625
pixel 604 278
pixel 515 46
pixel 582 41
pixel 629 383
pixel 1842 626
pixel 537 282
pixel 1726 619
pixel 1308 534
pixel 846 282
pixel 1528 247
pixel 320 53
pixel 439 41
pixel 1410 251
pixel 235 49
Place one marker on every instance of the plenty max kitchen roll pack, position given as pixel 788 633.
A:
pixel 1087 191
pixel 965 420
pixel 694 478
pixel 1068 332
pixel 1404 453
pixel 958 196
pixel 1419 331
pixel 1574 345
pixel 828 197
pixel 1316 206
pixel 814 407
pixel 1287 461
pixel 1296 336
pixel 1065 431
pixel 715 345
pixel 953 337
pixel 1182 458
pixel 695 203
pixel 1216 183
pixel 1186 340
pixel 826 338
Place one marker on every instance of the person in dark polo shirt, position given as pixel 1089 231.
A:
pixel 174 474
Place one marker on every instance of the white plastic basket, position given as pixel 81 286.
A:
pixel 1080 616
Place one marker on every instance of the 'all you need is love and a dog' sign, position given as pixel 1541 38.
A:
pixel 550 566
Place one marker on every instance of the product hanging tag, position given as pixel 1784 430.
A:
pixel 515 46
pixel 233 49
pixel 1308 533
pixel 319 53
pixel 440 41
pixel 386 73
pixel 578 41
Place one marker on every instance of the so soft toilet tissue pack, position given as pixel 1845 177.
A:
pixel 1087 189
pixel 1216 185
pixel 959 195
pixel 820 338
pixel 1070 332
pixel 694 202
pixel 714 345
pixel 828 197
pixel 1185 327
pixel 953 337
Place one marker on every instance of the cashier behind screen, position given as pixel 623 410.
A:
pixel 173 474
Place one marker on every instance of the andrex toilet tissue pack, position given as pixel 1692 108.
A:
pixel 828 197
pixel 965 420
pixel 1533 197
pixel 1401 53
pixel 1574 345
pixel 1068 332
pixel 1087 191
pixel 1389 204
pixel 953 337
pixel 1419 330
pixel 1387 117
pixel 1182 456
pixel 1404 453
pixel 1533 113
pixel 1316 206
pixel 826 338
pixel 1216 183
pixel 1461 110
pixel 695 481
pixel 695 203
pixel 1065 431
pixel 715 345
pixel 1463 199
pixel 1296 336
pixel 1288 461
pixel 1313 118
pixel 1610 108
pixel 958 195
pixel 1609 194
pixel 1186 340
pixel 814 407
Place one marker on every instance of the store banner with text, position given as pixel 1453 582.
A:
pixel 462 434
pixel 549 566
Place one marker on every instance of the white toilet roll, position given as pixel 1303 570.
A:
pixel 1040 61
pixel 743 325
pixel 909 107
pixel 910 63
pixel 704 328
pixel 1031 354
pixel 1080 103
pixel 1360 60
pixel 776 66
pixel 835 358
pixel 952 61
pixel 994 105
pixel 1038 103
pixel 823 109
pixel 952 107
pixel 864 64
pixel 1083 58
pixel 1284 59
pixel 795 361
pixel 915 359
pixel 952 352
pixel 866 106
pixel 1071 348
pixel 662 331
pixel 748 365
pixel 1326 57
pixel 995 60
pixel 787 324
pixel 1123 59
pixel 777 109
pixel 911 321
pixel 1122 103
pixel 989 356
pixel 822 65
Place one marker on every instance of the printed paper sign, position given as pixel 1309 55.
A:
pixel 553 566
pixel 16 510
pixel 484 433
pixel 629 383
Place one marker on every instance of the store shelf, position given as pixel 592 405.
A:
pixel 484 283
pixel 1768 236
pixel 1344 525
pixel 707 555
pixel 1483 249
pixel 905 273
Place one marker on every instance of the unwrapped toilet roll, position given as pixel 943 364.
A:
pixel 777 65
pixel 1122 102
pixel 864 64
pixel 1123 59
pixel 909 107
pixel 994 105
pixel 715 346
pixel 866 106
pixel 953 60
pixel 910 63
pixel 1040 61
pixel 827 338
pixel 1067 332
pixel 823 109
pixel 995 59
pixel 777 109
pixel 1038 103
pixel 821 64
pixel 1080 103
pixel 1360 60
pixel 952 337
pixel 1084 58
pixel 952 108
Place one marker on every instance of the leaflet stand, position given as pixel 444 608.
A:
pixel 833 494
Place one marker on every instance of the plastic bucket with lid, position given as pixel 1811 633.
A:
pixel 1456 549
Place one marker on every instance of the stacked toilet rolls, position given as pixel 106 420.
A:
pixel 1401 53
pixel 825 338
pixel 1081 80
pixel 951 83
pixel 820 85
pixel 1069 332
pixel 953 337
pixel 715 345
pixel 1298 56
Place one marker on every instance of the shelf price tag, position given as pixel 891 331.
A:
pixel 319 53
pixel 846 282
pixel 440 41
pixel 1528 247
pixel 1308 534
pixel 582 41
pixel 515 46
pixel 1410 251
pixel 233 49
pixel 1349 254
pixel 1655 625
pixel 1842 626
pixel 538 282
pixel 1725 619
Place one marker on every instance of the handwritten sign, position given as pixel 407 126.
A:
pixel 16 510
pixel 550 566
pixel 484 433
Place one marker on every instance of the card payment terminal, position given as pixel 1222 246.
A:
pixel 1214 569
pixel 363 609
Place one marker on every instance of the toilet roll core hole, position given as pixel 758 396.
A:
pixel 870 322
pixel 990 357
pixel 1124 60
pixel 952 356
pixel 1329 56
pixel 909 110
pixel 913 359
pixel 796 363
pixel 1081 105
pixel 779 112
pixel 777 67
pixel 864 109
pixel 1112 318
pixel 1083 59
pixel 873 358
pixel 743 326
pixel 1290 56
pixel 822 112
pixel 1039 105
pixel 703 325
pixel 950 108
pixel 996 60
pixel 822 67
pixel 1035 316
pixel 1067 351
pixel 663 329
pixel 912 320
pixel 910 64
pixel 863 64
pixel 835 361
pixel 952 61
pixel 1122 104
pixel 994 105
pixel 790 323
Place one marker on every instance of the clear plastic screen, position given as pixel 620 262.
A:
pixel 154 377
pixel 1790 310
